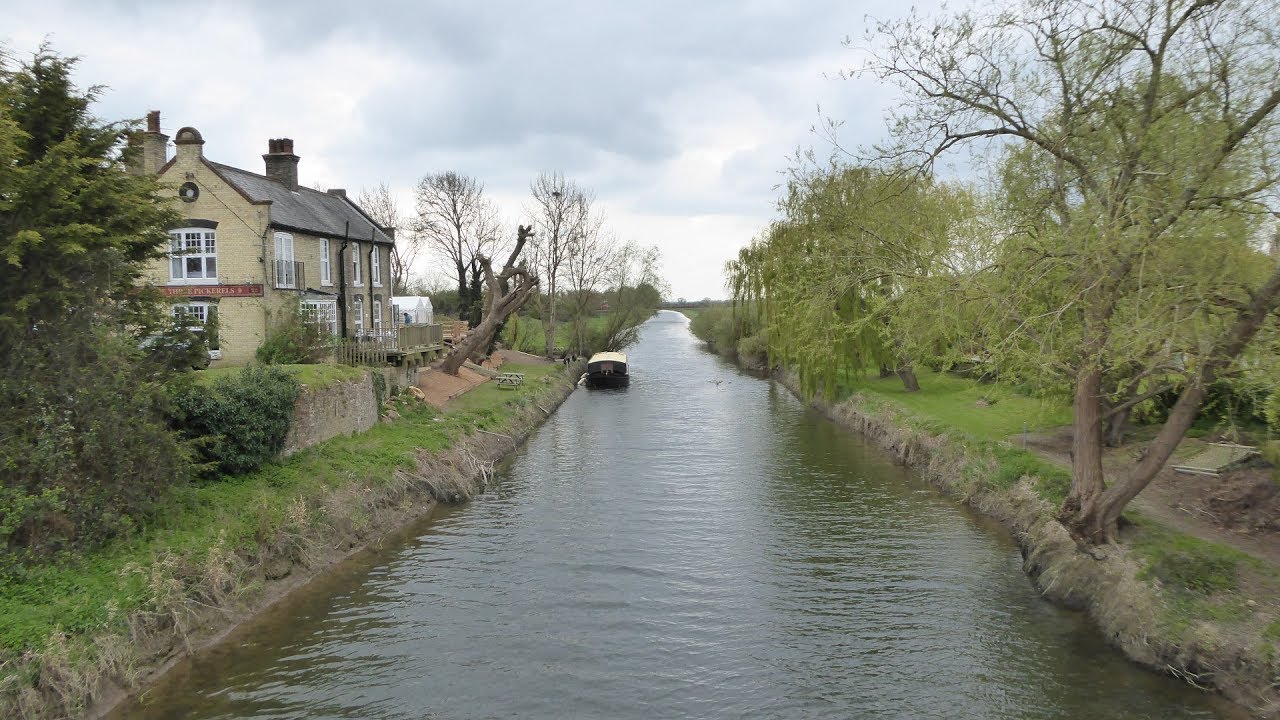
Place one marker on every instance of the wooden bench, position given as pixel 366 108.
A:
pixel 510 380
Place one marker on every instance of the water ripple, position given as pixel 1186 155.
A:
pixel 699 546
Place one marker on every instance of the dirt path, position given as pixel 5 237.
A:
pixel 440 388
pixel 1195 505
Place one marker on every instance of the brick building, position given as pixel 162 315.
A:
pixel 250 243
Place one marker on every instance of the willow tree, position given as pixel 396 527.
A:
pixel 833 274
pixel 1149 128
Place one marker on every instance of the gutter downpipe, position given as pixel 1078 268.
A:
pixel 342 280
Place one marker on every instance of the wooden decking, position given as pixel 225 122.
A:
pixel 1215 458
pixel 407 345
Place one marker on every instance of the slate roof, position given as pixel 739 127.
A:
pixel 303 209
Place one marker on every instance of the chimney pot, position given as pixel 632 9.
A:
pixel 154 147
pixel 281 163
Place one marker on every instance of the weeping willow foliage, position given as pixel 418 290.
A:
pixel 830 280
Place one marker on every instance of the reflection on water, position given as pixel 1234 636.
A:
pixel 697 545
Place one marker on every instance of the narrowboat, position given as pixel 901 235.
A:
pixel 607 370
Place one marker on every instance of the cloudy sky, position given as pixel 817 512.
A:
pixel 678 114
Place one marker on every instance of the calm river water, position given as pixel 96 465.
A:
pixel 700 545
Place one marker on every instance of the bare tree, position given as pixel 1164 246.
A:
pixel 381 205
pixel 587 267
pixel 459 224
pixel 562 212
pixel 509 290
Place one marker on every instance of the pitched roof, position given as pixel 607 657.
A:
pixel 304 209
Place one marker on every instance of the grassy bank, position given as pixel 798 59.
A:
pixel 1173 602
pixel 71 628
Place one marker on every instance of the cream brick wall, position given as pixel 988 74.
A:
pixel 246 255
pixel 241 328
pixel 240 230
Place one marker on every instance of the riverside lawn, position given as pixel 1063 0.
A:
pixel 68 625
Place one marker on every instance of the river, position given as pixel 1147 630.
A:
pixel 700 545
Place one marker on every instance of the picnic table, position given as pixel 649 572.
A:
pixel 510 380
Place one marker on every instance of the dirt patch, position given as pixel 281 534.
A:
pixel 1239 509
pixel 439 387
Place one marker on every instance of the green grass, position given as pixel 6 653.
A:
pixel 691 313
pixel 952 402
pixel 316 375
pixel 949 404
pixel 1184 563
pixel 489 397
pixel 527 335
pixel 88 594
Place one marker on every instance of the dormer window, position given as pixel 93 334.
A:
pixel 193 256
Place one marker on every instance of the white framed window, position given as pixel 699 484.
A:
pixel 286 270
pixel 192 313
pixel 357 309
pixel 377 316
pixel 375 266
pixel 356 278
pixel 323 313
pixel 326 273
pixel 193 256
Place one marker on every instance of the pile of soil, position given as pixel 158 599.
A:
pixel 1244 499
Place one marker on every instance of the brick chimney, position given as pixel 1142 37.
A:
pixel 282 164
pixel 153 153
pixel 189 142
pixel 340 192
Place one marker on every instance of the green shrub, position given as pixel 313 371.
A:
pixel 293 339
pixel 754 349
pixel 85 451
pixel 721 327
pixel 241 421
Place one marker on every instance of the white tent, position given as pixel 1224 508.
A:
pixel 414 310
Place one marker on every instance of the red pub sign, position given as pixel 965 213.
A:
pixel 213 290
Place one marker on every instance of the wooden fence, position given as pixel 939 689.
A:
pixel 388 347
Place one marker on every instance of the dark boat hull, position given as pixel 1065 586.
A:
pixel 609 380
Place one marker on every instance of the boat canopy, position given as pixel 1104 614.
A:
pixel 608 357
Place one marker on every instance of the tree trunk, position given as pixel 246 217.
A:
pixel 500 306
pixel 1097 521
pixel 1114 425
pixel 464 307
pixel 1087 480
pixel 908 376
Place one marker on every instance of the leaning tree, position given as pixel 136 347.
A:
pixel 508 291
pixel 1138 139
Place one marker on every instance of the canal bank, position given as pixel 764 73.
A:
pixel 233 548
pixel 1217 633
pixel 699 545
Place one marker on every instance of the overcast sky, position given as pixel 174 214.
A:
pixel 679 115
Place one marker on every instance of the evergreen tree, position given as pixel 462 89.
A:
pixel 84 448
